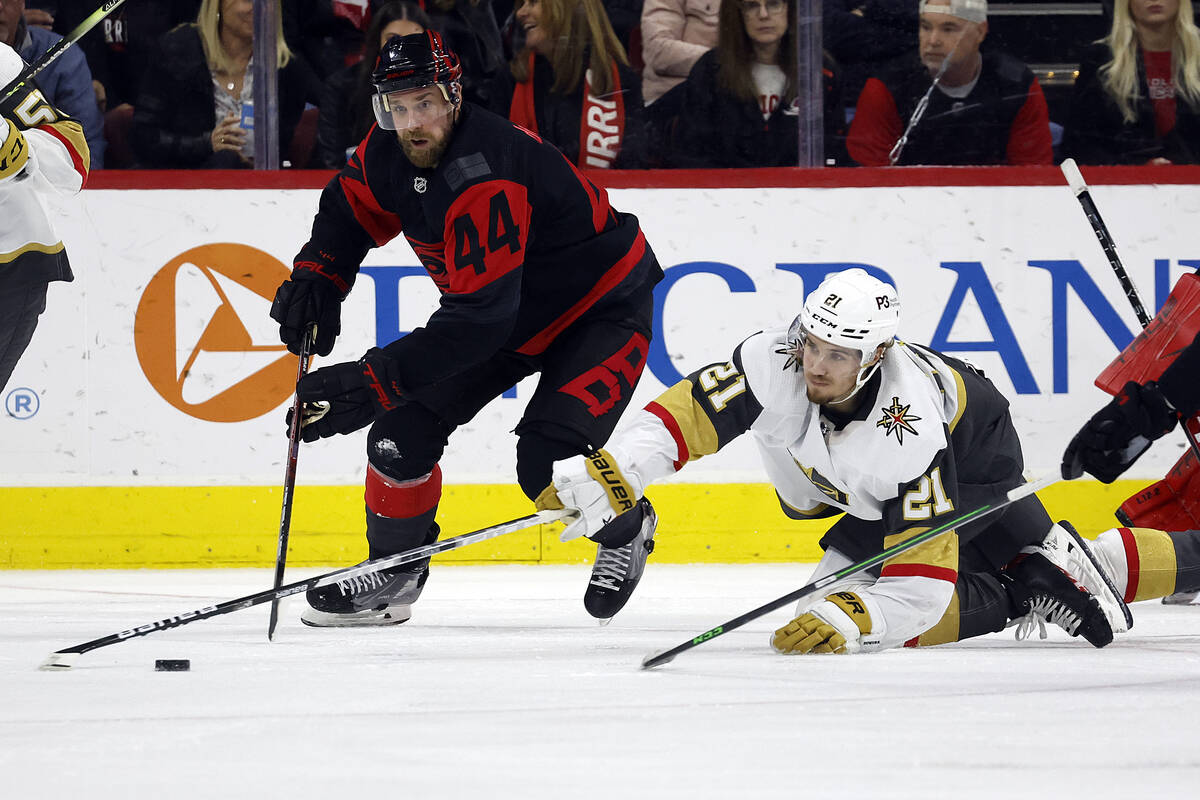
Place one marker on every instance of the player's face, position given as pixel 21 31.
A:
pixel 1154 12
pixel 941 35
pixel 766 21
pixel 400 27
pixel 830 370
pixel 11 12
pixel 423 120
pixel 529 17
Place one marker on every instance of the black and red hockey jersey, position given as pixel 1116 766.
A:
pixel 519 242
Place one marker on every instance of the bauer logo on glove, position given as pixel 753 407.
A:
pixel 835 625
pixel 597 487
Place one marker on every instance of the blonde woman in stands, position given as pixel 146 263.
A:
pixel 1137 97
pixel 196 106
pixel 573 85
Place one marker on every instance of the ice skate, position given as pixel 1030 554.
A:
pixel 1181 599
pixel 1067 550
pixel 618 569
pixel 1042 592
pixel 385 597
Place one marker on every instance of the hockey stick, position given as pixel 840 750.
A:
pixel 57 49
pixel 1075 180
pixel 64 659
pixel 289 477
pixel 919 111
pixel 1024 490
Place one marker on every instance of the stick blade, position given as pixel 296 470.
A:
pixel 657 659
pixel 58 661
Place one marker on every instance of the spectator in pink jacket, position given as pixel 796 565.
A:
pixel 675 33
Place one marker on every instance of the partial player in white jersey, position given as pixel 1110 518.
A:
pixel 898 437
pixel 42 151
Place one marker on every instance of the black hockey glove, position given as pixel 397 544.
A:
pixel 1118 434
pixel 308 298
pixel 345 397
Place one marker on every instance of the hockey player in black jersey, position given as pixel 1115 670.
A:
pixel 537 273
pixel 896 438
pixel 1156 380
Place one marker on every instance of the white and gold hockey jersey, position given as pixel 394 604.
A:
pixel 58 162
pixel 930 428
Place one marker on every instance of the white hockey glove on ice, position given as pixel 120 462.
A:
pixel 835 625
pixel 596 487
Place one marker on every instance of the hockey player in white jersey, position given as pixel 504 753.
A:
pixel 895 437
pixel 42 151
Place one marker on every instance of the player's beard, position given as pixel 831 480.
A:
pixel 425 157
pixel 829 393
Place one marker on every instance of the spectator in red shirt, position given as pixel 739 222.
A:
pixel 981 108
pixel 1137 97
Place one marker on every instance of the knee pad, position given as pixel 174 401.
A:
pixel 406 447
pixel 537 450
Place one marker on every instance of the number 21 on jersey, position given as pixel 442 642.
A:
pixel 928 498
pixel 711 381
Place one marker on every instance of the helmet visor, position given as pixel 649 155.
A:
pixel 411 108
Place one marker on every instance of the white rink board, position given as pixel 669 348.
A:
pixel 100 421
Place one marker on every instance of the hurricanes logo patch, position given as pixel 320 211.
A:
pixel 896 420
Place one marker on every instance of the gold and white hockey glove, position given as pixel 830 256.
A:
pixel 597 487
pixel 14 151
pixel 835 625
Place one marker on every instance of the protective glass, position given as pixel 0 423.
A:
pixel 410 108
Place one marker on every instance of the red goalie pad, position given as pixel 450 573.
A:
pixel 1172 504
pixel 1171 330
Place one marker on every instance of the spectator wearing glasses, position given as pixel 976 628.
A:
pixel 950 103
pixel 1137 98
pixel 740 103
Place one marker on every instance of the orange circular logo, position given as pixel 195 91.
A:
pixel 205 338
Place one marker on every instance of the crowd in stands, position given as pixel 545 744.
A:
pixel 627 83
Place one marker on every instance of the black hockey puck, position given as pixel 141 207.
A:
pixel 172 665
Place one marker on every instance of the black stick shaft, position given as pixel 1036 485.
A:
pixel 57 49
pixel 289 481
pixel 58 659
pixel 1075 180
pixel 1016 494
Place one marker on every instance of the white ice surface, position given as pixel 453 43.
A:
pixel 502 686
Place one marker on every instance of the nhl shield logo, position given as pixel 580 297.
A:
pixel 420 184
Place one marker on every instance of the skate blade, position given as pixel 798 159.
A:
pixel 603 621
pixel 392 615
pixel 1180 599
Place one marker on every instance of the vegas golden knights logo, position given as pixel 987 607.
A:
pixel 897 420
pixel 825 485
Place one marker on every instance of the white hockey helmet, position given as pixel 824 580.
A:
pixel 851 309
